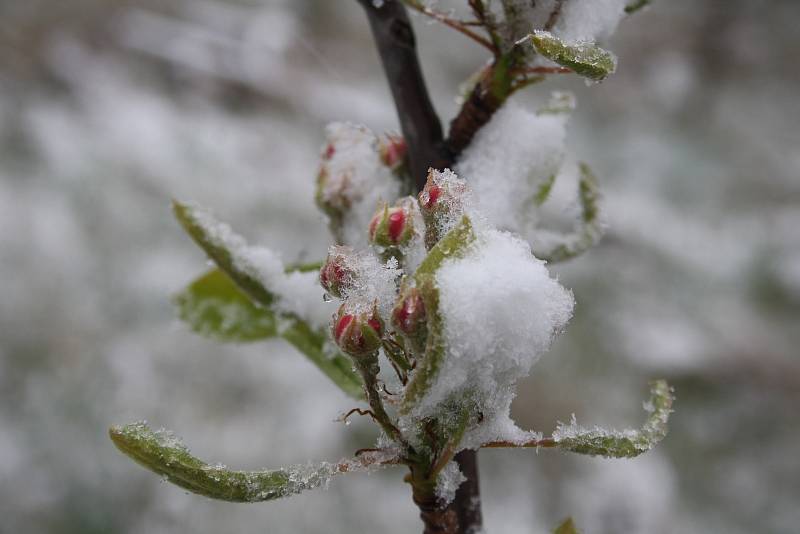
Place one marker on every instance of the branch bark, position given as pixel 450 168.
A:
pixel 422 130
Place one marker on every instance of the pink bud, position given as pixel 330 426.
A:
pixel 357 334
pixel 391 227
pixel 408 315
pixel 336 273
pixel 392 149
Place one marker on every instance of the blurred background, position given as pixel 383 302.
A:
pixel 110 108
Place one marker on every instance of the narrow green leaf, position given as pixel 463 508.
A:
pixel 228 251
pixel 586 59
pixel 314 344
pixel 165 455
pixel 621 444
pixel 588 230
pixel 636 5
pixel 215 307
pixel 567 527
pixel 221 244
pixel 453 245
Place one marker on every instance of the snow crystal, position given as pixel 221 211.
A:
pixel 356 181
pixel 589 20
pixel 509 159
pixel 372 281
pixel 448 482
pixel 501 310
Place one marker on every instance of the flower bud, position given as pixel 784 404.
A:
pixel 357 334
pixel 408 315
pixel 392 150
pixel 441 203
pixel 391 226
pixel 337 273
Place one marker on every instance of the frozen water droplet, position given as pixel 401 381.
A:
pixel 347 423
pixel 378 3
pixel 326 297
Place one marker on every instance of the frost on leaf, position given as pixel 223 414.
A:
pixel 583 57
pixel 626 443
pixel 166 455
pixel 294 296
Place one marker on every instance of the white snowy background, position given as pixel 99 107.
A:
pixel 109 109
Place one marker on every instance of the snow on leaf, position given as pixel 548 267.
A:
pixel 583 57
pixel 161 452
pixel 626 443
pixel 294 297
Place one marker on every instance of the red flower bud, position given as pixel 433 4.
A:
pixel 391 226
pixel 357 334
pixel 441 200
pixel 336 273
pixel 392 150
pixel 408 315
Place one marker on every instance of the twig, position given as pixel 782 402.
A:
pixel 419 123
pixel 452 23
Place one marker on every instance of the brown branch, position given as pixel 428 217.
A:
pixel 419 123
pixel 422 131
pixel 447 21
pixel 534 443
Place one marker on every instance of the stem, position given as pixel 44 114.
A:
pixel 422 131
pixel 368 367
pixel 394 38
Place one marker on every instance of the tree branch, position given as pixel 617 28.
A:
pixel 422 131
pixel 419 123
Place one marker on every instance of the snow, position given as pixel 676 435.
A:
pixel 296 293
pixel 448 482
pixel 501 310
pixel 372 281
pixel 589 20
pixel 509 159
pixel 356 181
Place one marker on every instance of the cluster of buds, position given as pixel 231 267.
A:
pixel 392 226
pixel 392 149
pixel 357 333
pixel 440 201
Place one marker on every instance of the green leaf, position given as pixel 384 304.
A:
pixel 453 245
pixel 586 59
pixel 221 245
pixel 228 251
pixel 314 344
pixel 588 230
pixel 636 5
pixel 621 444
pixel 567 527
pixel 215 307
pixel 165 455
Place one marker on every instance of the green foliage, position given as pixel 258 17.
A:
pixel 452 245
pixel 215 307
pixel 625 444
pixel 636 5
pixel 588 230
pixel 566 527
pixel 165 455
pixel 211 306
pixel 586 59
